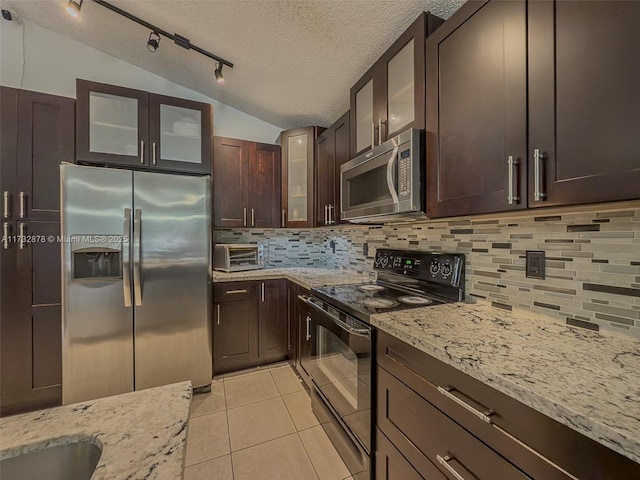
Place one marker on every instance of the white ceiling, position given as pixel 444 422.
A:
pixel 294 60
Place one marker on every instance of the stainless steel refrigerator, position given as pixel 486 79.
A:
pixel 136 263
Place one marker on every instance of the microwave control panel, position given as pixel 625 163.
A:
pixel 404 172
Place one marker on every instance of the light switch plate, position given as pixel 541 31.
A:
pixel 535 264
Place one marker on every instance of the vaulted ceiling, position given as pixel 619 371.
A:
pixel 295 60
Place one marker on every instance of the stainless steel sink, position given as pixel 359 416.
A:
pixel 71 461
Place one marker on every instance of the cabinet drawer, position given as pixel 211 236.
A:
pixel 427 436
pixel 535 443
pixel 234 291
pixel 391 464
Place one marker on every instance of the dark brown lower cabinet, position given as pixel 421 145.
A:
pixel 432 430
pixel 391 464
pixel 250 324
pixel 300 321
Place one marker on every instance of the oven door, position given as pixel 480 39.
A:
pixel 340 367
pixel 369 187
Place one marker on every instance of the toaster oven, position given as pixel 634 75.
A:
pixel 236 257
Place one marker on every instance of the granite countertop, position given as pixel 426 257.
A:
pixel 583 379
pixel 305 277
pixel 142 434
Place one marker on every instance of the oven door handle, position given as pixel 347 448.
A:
pixel 360 332
pixel 392 188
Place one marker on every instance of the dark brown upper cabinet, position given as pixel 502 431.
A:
pixel 37 133
pixel 584 102
pixel 390 97
pixel 246 184
pixel 477 110
pixel 298 163
pixel 333 151
pixel 533 104
pixel 126 127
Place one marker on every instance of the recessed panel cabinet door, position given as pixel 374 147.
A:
pixel 274 325
pixel 235 335
pixel 325 181
pixel 476 110
pixel 264 185
pixel 584 102
pixel 230 180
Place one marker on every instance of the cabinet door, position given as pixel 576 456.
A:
pixel 112 124
pixel 402 80
pixel 325 176
pixel 235 335
pixel 292 321
pixel 46 126
pixel 265 191
pixel 180 134
pixel 584 101
pixel 230 182
pixel 342 156
pixel 476 110
pixel 391 465
pixel 273 333
pixel 362 114
pixel 298 153
pixel 304 342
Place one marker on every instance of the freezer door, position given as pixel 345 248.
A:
pixel 171 279
pixel 97 324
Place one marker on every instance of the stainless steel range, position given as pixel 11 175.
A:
pixel 341 360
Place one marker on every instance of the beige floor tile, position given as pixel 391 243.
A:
pixel 281 459
pixel 205 403
pixel 241 373
pixel 286 380
pixel 277 365
pixel 323 455
pixel 299 406
pixel 216 469
pixel 207 438
pixel 251 388
pixel 258 422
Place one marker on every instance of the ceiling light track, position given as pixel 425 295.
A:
pixel 177 39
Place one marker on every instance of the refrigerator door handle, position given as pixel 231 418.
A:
pixel 137 290
pixel 126 264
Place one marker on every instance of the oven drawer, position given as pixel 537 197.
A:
pixel 428 437
pixel 535 443
pixel 234 291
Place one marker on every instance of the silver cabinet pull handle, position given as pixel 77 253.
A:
pixel 332 217
pixel 326 216
pixel 137 240
pixel 218 308
pixel 141 151
pixel 5 204
pixel 512 165
pixel 303 298
pixel 23 210
pixel 234 292
pixel 538 194
pixel 444 461
pixel 244 217
pixel 308 336
pixel 373 134
pixel 262 291
pixel 5 235
pixel 283 222
pixel 22 233
pixel 126 264
pixel 484 416
pixel 380 131
pixel 153 149
pixel 253 217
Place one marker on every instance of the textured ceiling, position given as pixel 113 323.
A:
pixel 294 60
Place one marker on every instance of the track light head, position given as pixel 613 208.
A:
pixel 154 42
pixel 74 7
pixel 218 73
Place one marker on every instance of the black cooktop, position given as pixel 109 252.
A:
pixel 406 279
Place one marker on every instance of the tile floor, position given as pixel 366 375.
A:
pixel 258 425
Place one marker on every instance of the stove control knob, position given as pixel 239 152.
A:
pixel 376 262
pixel 434 268
pixel 446 269
pixel 384 260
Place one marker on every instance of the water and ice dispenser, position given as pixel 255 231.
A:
pixel 99 260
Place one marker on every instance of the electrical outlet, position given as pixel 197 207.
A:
pixel 535 264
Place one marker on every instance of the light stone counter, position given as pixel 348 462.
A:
pixel 305 277
pixel 583 379
pixel 142 434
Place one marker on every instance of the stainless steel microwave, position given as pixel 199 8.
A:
pixel 386 184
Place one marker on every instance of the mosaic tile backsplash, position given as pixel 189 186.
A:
pixel 592 258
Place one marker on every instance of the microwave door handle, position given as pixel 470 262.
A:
pixel 392 188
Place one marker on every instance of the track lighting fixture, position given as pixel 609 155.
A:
pixel 74 7
pixel 218 73
pixel 154 42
